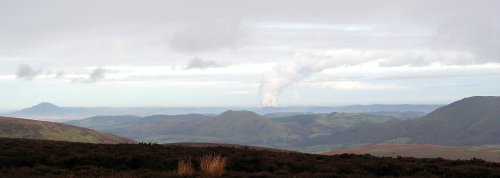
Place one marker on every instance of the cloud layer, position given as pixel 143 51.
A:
pixel 277 47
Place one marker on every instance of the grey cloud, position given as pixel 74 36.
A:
pixel 477 34
pixel 64 30
pixel 121 31
pixel 60 75
pixel 26 72
pixel 97 75
pixel 208 36
pixel 94 76
pixel 198 63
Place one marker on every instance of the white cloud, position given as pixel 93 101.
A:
pixel 208 36
pixel 308 62
pixel 351 85
pixel 7 77
pixel 358 43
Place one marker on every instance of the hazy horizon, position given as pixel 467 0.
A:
pixel 123 53
pixel 2 110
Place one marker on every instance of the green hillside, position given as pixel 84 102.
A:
pixel 32 129
pixel 242 125
pixel 471 121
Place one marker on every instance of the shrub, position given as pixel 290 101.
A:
pixel 212 165
pixel 185 168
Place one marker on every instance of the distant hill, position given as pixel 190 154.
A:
pixel 51 112
pixel 227 127
pixel 242 125
pixel 32 129
pixel 467 122
pixel 489 153
pixel 44 107
pixel 472 121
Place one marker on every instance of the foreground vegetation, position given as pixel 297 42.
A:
pixel 36 158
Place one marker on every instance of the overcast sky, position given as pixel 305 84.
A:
pixel 247 53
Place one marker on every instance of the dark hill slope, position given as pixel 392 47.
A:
pixel 468 122
pixel 32 129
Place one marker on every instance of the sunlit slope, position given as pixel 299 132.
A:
pixel 32 129
pixel 242 125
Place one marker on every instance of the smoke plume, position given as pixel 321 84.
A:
pixel 309 62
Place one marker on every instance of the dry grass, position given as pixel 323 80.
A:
pixel 212 165
pixel 185 168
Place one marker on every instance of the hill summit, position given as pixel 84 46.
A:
pixel 241 125
pixel 43 107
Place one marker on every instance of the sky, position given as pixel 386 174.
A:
pixel 123 53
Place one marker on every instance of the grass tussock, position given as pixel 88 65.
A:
pixel 185 168
pixel 212 165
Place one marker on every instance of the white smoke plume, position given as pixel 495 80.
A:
pixel 308 62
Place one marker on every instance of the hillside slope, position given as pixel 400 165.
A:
pixel 32 129
pixel 242 125
pixel 471 121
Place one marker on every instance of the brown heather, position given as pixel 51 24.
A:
pixel 212 165
pixel 185 168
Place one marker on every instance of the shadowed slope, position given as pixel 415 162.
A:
pixel 467 122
